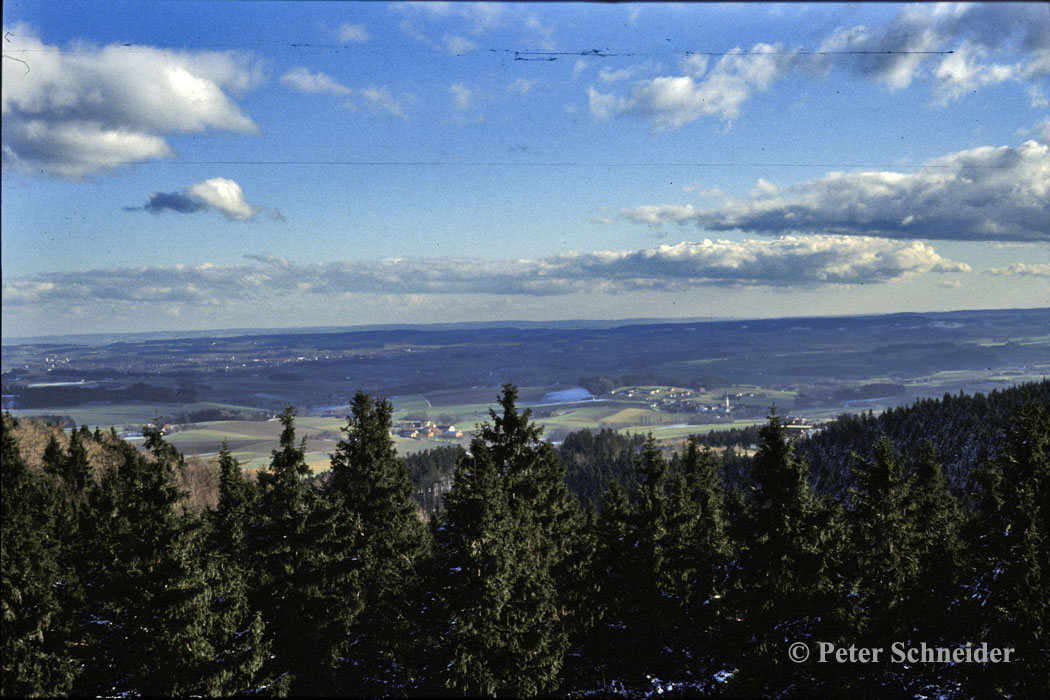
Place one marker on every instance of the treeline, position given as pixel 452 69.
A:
pixel 673 584
pixel 48 396
pixel 967 431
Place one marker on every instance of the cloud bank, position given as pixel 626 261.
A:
pixel 987 193
pixel 782 263
pixel 1022 269
pixel 218 194
pixel 85 110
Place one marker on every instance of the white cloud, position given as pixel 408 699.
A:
pixel 987 193
pixel 462 97
pixel 673 101
pixel 378 100
pixel 1023 269
pixel 225 196
pixel 789 262
pixel 459 45
pixel 78 112
pixel 1044 129
pixel 522 86
pixel 354 33
pixel 960 73
pixel 304 80
pixel 541 34
pixel 610 75
pixel 478 17
pixel 899 53
pixel 219 194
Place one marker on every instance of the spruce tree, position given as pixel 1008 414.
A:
pixel 502 552
pixel 473 573
pixel 53 457
pixel 35 661
pixel 1011 559
pixel 77 469
pixel 241 646
pixel 376 496
pixel 609 647
pixel 151 596
pixel 884 548
pixel 304 558
pixel 544 519
pixel 937 524
pixel 788 582
pixel 649 614
pixel 232 514
pixel 697 549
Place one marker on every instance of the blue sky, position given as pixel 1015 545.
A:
pixel 208 165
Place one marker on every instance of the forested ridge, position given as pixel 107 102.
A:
pixel 604 566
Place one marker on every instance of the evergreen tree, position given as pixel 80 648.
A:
pixel 234 510
pixel 544 519
pixel 937 524
pixel 77 469
pixel 151 594
pixel 241 646
pixel 788 584
pixel 304 556
pixel 35 662
pixel 1011 559
pixel 648 614
pixel 885 558
pixel 473 572
pixel 54 459
pixel 697 550
pixel 377 496
pixel 502 552
pixel 609 647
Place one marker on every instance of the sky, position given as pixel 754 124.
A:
pixel 208 165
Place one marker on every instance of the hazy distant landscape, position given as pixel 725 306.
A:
pixel 671 379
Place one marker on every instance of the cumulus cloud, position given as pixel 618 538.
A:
pixel 785 262
pixel 987 193
pixel 899 53
pixel 353 33
pixel 90 110
pixel 304 80
pixel 673 101
pixel 218 194
pixel 1022 269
